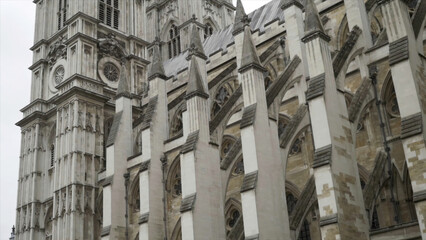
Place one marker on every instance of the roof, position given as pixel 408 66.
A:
pixel 260 18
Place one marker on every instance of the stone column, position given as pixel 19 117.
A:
pixel 154 133
pixel 340 199
pixel 263 190
pixel 293 16
pixel 408 77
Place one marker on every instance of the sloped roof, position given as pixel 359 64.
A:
pixel 221 39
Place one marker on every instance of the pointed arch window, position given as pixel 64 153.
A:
pixel 62 13
pixel 109 12
pixel 208 30
pixel 375 220
pixel 174 41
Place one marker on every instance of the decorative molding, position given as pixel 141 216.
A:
pixel 144 165
pixel 316 87
pixel 411 125
pixel 322 156
pixel 398 51
pixel 252 237
pixel 284 80
pixel 249 116
pixel 57 51
pixel 249 182
pixel 191 142
pixel 110 46
pixel 149 113
pixel 292 126
pixel 188 203
pixel 143 218
pixel 327 220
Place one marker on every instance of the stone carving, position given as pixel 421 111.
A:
pixel 109 46
pixel 111 72
pixel 57 51
pixel 59 74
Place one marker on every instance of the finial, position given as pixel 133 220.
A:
pixel 241 19
pixel 313 24
pixel 249 58
pixel 196 46
pixel 195 82
pixel 157 68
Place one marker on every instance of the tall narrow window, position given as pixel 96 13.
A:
pixel 305 234
pixel 62 13
pixel 52 155
pixel 109 12
pixel 174 42
pixel 208 30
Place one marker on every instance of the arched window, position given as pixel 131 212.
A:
pixel 174 41
pixel 48 223
pixel 174 183
pixel 208 30
pixel 137 148
pixel 62 13
pixel 291 202
pixel 109 12
pixel 222 95
pixel 136 202
pixel 305 234
pixel 233 223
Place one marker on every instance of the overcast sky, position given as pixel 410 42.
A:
pixel 16 37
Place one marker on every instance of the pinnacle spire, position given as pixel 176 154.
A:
pixel 249 57
pixel 313 22
pixel 196 46
pixel 123 84
pixel 195 82
pixel 241 18
pixel 157 68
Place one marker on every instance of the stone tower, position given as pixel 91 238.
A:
pixel 184 119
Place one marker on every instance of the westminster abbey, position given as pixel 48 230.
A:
pixel 192 119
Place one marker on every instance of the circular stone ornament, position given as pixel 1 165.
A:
pixel 111 72
pixel 59 74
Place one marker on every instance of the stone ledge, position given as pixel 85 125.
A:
pixel 252 237
pixel 249 182
pixel 105 231
pixel 188 203
pixel 411 125
pixel 144 165
pixel 332 219
pixel 316 87
pixel 108 181
pixel 322 156
pixel 143 218
pixel 249 116
pixel 419 196
pixel 398 51
pixel 191 142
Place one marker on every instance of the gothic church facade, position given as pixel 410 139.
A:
pixel 190 119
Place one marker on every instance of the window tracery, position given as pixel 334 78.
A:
pixel 109 12
pixel 174 184
pixel 222 95
pixel 238 168
pixel 375 220
pixel 174 41
pixel 226 145
pixel 111 72
pixel 59 74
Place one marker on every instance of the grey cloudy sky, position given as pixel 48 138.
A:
pixel 16 37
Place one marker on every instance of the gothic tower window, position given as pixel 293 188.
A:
pixel 62 13
pixel 174 41
pixel 52 155
pixel 109 12
pixel 176 125
pixel 305 233
pixel 208 30
pixel 174 184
